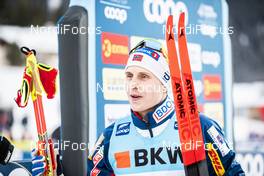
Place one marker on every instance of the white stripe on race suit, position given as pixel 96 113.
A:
pixel 159 173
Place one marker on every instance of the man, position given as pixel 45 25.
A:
pixel 147 142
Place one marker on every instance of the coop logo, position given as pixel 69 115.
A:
pixel 123 129
pixel 163 111
pixel 211 58
pixel 207 11
pixel 158 11
pixel 114 13
pixel 114 48
pixel 212 87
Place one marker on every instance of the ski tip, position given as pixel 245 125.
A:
pixel 170 20
pixel 181 24
pixel 169 28
pixel 170 17
pixel 182 16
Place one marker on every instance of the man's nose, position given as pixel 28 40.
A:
pixel 134 83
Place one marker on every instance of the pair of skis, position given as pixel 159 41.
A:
pixel 191 138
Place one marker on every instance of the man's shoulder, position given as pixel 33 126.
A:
pixel 207 122
pixel 109 130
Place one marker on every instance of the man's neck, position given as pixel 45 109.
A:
pixel 143 113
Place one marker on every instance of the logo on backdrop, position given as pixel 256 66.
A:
pixel 115 13
pixel 158 11
pixel 211 58
pixel 116 10
pixel 215 110
pixel 212 87
pixel 114 48
pixel 113 87
pixel 207 11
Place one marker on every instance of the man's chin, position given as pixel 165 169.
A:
pixel 137 108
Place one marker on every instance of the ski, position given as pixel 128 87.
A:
pixel 190 131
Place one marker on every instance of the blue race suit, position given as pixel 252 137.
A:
pixel 136 147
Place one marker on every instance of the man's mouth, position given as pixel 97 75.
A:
pixel 135 97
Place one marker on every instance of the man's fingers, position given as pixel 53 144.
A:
pixel 34 152
pixel 38 159
pixel 38 165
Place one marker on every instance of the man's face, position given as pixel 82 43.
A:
pixel 144 90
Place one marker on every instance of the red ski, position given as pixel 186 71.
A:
pixel 190 131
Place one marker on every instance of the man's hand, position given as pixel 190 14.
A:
pixel 38 163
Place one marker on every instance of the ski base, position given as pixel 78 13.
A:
pixel 197 169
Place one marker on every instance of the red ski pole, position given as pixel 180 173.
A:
pixel 33 85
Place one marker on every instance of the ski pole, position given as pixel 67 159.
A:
pixel 32 84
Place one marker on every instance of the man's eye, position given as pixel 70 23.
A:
pixel 144 76
pixel 129 75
